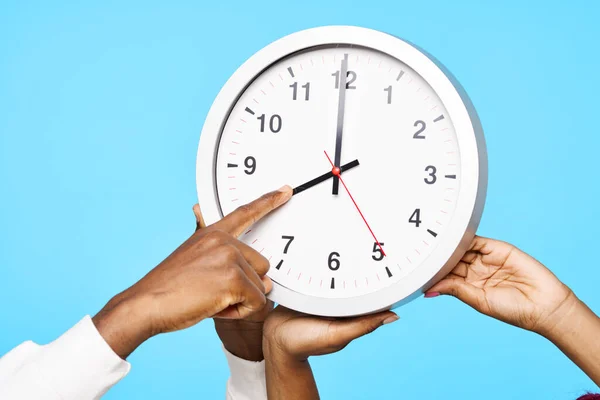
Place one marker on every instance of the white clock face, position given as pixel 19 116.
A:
pixel 282 130
pixel 409 146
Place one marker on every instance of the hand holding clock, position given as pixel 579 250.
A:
pixel 212 274
pixel 291 337
pixel 499 280
pixel 241 337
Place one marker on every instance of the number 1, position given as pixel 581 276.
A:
pixel 389 95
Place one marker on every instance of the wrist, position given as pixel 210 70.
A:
pixel 280 365
pixel 284 360
pixel 560 321
pixel 274 350
pixel 241 338
pixel 124 324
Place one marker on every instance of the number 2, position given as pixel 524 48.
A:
pixel 421 126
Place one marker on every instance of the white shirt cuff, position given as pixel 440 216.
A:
pixel 247 380
pixel 80 364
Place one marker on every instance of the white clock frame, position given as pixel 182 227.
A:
pixel 473 157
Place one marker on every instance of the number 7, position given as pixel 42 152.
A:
pixel 290 240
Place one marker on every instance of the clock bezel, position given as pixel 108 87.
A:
pixel 473 185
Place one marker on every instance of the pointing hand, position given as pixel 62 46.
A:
pixel 212 274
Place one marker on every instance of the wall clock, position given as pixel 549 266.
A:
pixel 385 153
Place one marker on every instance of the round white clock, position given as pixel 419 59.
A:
pixel 384 151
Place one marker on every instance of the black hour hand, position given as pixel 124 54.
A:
pixel 324 177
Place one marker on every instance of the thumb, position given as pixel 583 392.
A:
pixel 245 216
pixel 458 288
pixel 200 224
pixel 347 330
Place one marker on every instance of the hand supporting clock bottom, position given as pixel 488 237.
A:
pixel 290 337
pixel 501 281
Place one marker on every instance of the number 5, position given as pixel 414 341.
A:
pixel 377 250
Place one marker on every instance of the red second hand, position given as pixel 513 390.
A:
pixel 336 172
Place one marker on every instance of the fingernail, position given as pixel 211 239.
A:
pixel 288 194
pixel 429 295
pixel 390 319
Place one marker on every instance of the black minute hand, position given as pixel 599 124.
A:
pixel 340 122
pixel 324 177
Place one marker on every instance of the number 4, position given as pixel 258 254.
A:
pixel 415 218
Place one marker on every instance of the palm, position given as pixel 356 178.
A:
pixel 303 335
pixel 499 280
pixel 288 323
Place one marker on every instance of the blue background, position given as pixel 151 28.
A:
pixel 101 106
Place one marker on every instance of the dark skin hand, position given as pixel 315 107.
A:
pixel 212 274
pixel 241 337
pixel 291 337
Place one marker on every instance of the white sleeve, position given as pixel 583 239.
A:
pixel 79 365
pixel 247 380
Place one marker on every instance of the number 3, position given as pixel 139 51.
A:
pixel 432 170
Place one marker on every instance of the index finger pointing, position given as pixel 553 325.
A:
pixel 245 216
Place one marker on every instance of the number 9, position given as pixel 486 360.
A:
pixel 250 163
